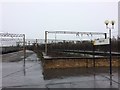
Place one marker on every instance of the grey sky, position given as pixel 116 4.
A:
pixel 34 18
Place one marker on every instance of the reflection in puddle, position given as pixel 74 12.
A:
pixel 63 73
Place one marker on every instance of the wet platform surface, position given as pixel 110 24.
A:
pixel 13 77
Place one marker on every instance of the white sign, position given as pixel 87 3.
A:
pixel 101 41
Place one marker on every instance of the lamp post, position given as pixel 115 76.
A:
pixel 108 26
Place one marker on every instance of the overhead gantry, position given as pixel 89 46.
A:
pixel 16 35
pixel 70 32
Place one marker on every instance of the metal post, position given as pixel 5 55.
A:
pixel 55 38
pixel 110 57
pixel 110 52
pixel 94 70
pixel 24 51
pixel 93 56
pixel 36 43
pixel 46 42
pixel 105 35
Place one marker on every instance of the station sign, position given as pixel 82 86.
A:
pixel 101 41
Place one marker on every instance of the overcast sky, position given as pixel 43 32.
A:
pixel 33 18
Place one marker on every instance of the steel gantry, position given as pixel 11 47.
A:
pixel 70 32
pixel 16 35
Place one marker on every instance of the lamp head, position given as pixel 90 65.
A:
pixel 113 23
pixel 106 23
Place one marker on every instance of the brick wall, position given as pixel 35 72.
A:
pixel 72 62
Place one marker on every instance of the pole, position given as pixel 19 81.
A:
pixel 36 46
pixel 46 42
pixel 93 56
pixel 110 54
pixel 24 51
pixel 110 57
pixel 105 35
pixel 94 70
